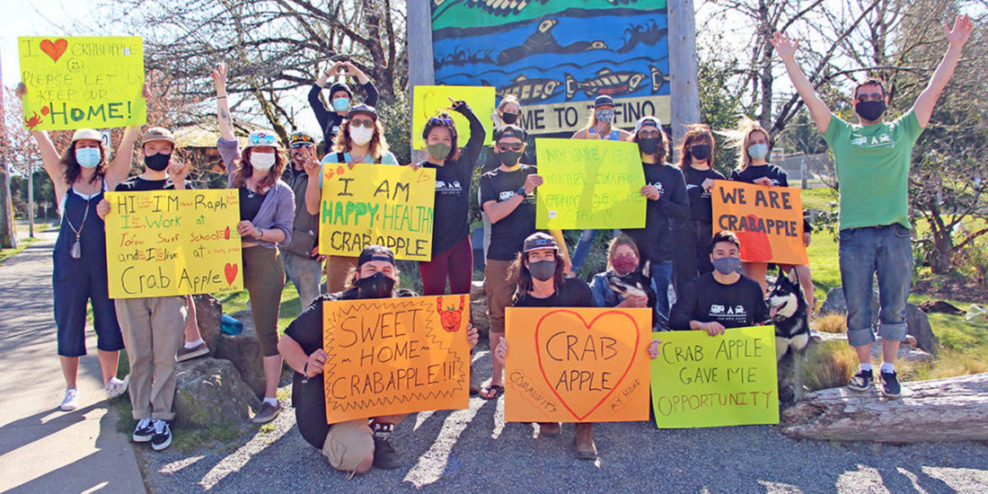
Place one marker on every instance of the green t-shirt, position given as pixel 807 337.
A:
pixel 872 164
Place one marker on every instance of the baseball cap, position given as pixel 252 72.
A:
pixel 299 139
pixel 539 240
pixel 157 134
pixel 602 100
pixel 262 138
pixel 348 444
pixel 647 122
pixel 510 131
pixel 91 134
pixel 362 109
pixel 375 253
pixel 339 86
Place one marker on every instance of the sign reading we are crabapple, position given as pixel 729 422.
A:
pixel 82 82
pixel 395 355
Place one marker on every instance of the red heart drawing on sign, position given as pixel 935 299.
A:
pixel 231 273
pixel 226 234
pixel 614 364
pixel 56 49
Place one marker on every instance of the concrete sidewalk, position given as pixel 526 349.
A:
pixel 43 449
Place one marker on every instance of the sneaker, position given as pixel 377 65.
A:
pixel 549 429
pixel 162 437
pixel 116 387
pixel 191 353
pixel 890 385
pixel 585 447
pixel 861 381
pixel 385 455
pixel 144 431
pixel 266 413
pixel 71 400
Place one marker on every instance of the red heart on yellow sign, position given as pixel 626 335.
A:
pixel 54 50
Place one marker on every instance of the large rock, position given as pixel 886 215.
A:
pixel 477 290
pixel 210 392
pixel 918 325
pixel 908 351
pixel 244 351
pixel 209 314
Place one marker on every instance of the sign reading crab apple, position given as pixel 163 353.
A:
pixel 173 242
pixel 767 220
pixel 82 82
pixel 577 364
pixel 396 355
pixel 704 381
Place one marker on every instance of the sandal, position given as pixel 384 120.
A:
pixel 492 392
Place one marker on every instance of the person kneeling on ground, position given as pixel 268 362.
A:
pixel 356 445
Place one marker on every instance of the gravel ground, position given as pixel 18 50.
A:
pixel 475 451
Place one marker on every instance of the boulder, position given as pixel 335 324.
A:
pixel 916 321
pixel 940 306
pixel 244 351
pixel 477 290
pixel 908 351
pixel 210 392
pixel 209 312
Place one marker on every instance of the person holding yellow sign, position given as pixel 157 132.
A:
pixel 80 176
pixel 267 210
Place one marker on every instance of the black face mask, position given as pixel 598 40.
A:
pixel 509 118
pixel 509 158
pixel 700 152
pixel 378 285
pixel 870 110
pixel 648 145
pixel 157 162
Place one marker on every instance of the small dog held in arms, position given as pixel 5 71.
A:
pixel 789 312
pixel 635 283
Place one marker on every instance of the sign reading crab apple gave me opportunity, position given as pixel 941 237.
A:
pixel 173 242
pixel 577 364
pixel 82 82
pixel 767 220
pixel 395 355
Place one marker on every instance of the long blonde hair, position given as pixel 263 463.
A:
pixel 740 139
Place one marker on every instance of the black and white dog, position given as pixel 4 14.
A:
pixel 635 283
pixel 790 314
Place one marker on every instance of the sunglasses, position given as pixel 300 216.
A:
pixel 873 97
pixel 516 146
pixel 366 123
pixel 262 139
pixel 443 120
pixel 301 139
pixel 647 134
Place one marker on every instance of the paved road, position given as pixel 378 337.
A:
pixel 41 448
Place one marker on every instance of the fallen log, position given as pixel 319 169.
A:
pixel 953 409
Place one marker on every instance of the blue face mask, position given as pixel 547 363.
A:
pixel 758 151
pixel 87 157
pixel 341 104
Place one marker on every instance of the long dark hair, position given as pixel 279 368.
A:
pixel 663 148
pixel 522 277
pixel 696 132
pixel 245 170
pixel 73 169
pixel 444 120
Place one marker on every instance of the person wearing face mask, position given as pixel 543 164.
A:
pixel 80 175
pixel 696 156
pixel 267 211
pixel 665 190
pixel 600 127
pixel 872 159
pixel 357 445
pixel 360 140
pixel 303 264
pixel 623 259
pixel 722 299
pixel 507 195
pixel 340 97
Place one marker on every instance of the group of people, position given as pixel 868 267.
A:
pixel 279 210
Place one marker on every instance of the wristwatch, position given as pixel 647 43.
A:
pixel 521 192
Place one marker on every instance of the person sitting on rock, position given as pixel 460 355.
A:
pixel 356 445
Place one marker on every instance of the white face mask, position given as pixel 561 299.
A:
pixel 262 161
pixel 361 135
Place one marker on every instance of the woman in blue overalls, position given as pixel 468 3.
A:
pixel 80 176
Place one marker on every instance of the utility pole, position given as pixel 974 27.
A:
pixel 684 91
pixel 421 70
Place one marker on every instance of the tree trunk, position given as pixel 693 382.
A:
pixel 940 410
pixel 942 255
pixel 8 230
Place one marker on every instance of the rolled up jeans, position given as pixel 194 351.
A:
pixel 864 252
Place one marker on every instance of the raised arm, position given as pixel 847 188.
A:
pixel 49 155
pixel 222 104
pixel 818 108
pixel 923 107
pixel 120 166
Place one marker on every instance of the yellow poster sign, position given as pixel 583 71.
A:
pixel 577 364
pixel 429 101
pixel 377 204
pixel 398 355
pixel 173 242
pixel 589 184
pixel 767 220
pixel 82 82
pixel 700 380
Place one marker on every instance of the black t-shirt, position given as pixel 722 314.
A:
pixel 704 299
pixel 454 180
pixel 250 204
pixel 137 184
pixel 328 119
pixel 508 235
pixel 701 206
pixel 775 174
pixel 655 240
pixel 573 293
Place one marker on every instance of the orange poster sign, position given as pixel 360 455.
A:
pixel 577 364
pixel 396 355
pixel 767 220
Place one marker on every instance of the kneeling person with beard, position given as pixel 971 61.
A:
pixel 356 445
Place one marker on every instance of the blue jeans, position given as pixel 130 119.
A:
pixel 887 251
pixel 583 248
pixel 661 273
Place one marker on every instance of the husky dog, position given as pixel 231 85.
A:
pixel 790 314
pixel 635 283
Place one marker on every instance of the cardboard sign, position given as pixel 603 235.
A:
pixel 398 355
pixel 173 242
pixel 377 204
pixel 429 101
pixel 767 220
pixel 700 380
pixel 577 364
pixel 589 185
pixel 82 82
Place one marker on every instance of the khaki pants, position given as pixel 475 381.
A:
pixel 152 331
pixel 337 272
pixel 499 291
pixel 264 279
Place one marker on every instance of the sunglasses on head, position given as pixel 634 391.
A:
pixel 441 120
pixel 515 146
pixel 872 96
pixel 366 123
pixel 262 139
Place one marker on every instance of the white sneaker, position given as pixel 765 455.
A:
pixel 71 400
pixel 116 387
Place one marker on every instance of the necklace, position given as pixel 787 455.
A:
pixel 76 251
